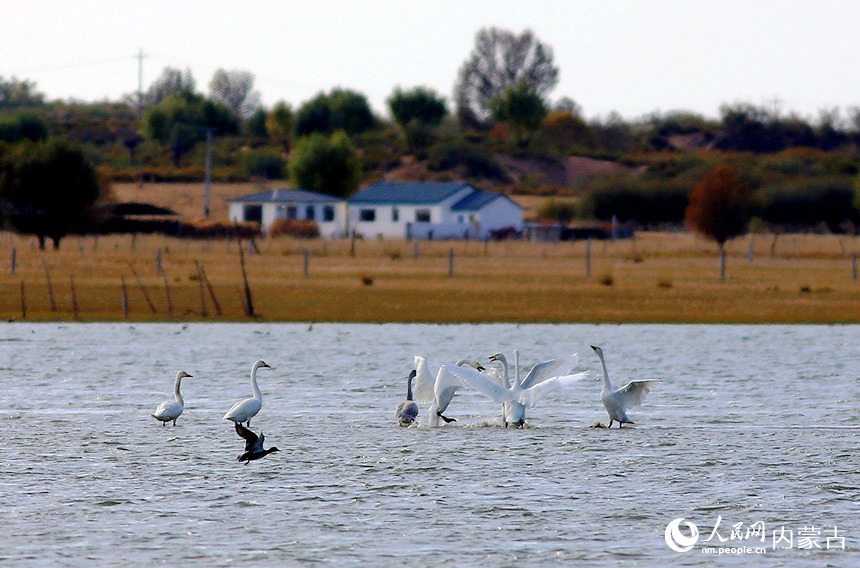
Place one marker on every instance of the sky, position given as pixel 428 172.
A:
pixel 624 56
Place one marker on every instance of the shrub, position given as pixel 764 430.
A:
pixel 265 163
pixel 299 228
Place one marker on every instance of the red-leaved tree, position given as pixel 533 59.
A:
pixel 719 208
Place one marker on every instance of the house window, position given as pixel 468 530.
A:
pixel 422 215
pixel 328 213
pixel 367 215
pixel 253 213
pixel 461 219
pixel 310 213
pixel 395 214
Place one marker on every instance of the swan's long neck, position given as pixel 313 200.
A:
pixel 606 384
pixel 462 362
pixel 505 367
pixel 409 387
pixel 517 384
pixel 254 387
pixel 176 393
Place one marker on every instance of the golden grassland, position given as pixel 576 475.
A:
pixel 656 277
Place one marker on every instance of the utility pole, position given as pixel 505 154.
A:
pixel 140 57
pixel 206 199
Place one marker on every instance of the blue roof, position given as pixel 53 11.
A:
pixel 407 192
pixel 286 195
pixel 475 200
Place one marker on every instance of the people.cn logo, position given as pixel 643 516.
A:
pixel 676 540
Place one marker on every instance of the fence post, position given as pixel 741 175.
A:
pixel 588 258
pixel 415 251
pixel 74 297
pixel 50 286
pixel 167 291
pixel 202 290
pixel 306 261
pixel 751 252
pixel 450 262
pixel 158 268
pixel 124 297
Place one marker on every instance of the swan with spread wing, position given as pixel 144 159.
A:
pixel 617 399
pixel 543 379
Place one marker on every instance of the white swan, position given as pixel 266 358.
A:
pixel 543 379
pixel 439 391
pixel 246 409
pixel 617 399
pixel 407 411
pixel 171 409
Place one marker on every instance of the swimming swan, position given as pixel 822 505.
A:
pixel 407 411
pixel 543 379
pixel 438 391
pixel 171 409
pixel 246 409
pixel 617 399
pixel 253 445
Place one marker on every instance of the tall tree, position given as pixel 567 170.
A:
pixel 236 90
pixel 340 109
pixel 172 81
pixel 328 165
pixel 16 94
pixel 179 121
pixel 45 187
pixel 279 123
pixel 417 112
pixel 719 208
pixel 520 107
pixel 500 60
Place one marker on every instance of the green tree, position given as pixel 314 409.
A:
pixel 522 108
pixel 45 188
pixel 279 124
pixel 22 125
pixel 719 208
pixel 16 94
pixel 340 109
pixel 500 60
pixel 255 126
pixel 417 112
pixel 179 119
pixel 328 165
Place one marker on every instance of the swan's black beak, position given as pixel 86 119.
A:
pixel 595 347
pixel 481 368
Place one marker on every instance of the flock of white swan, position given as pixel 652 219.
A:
pixel 514 395
pixel 438 391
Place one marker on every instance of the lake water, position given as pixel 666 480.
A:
pixel 754 424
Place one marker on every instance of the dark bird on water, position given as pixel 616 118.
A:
pixel 253 445
pixel 407 410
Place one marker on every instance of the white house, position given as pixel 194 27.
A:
pixel 425 210
pixel 390 210
pixel 265 207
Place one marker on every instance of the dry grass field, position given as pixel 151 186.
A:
pixel 656 277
